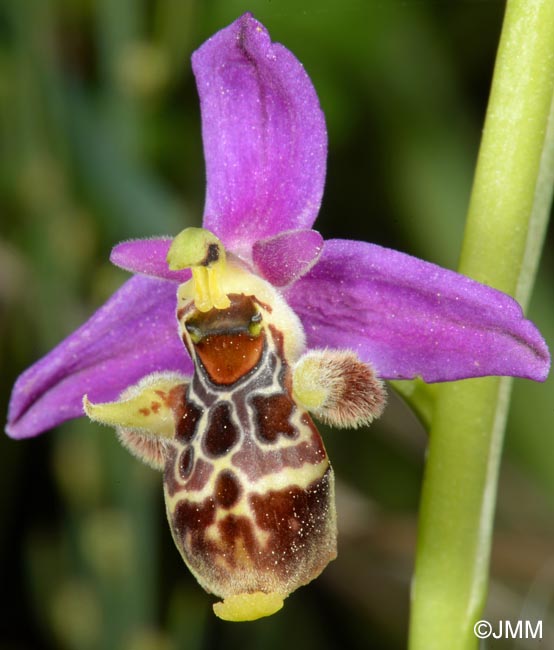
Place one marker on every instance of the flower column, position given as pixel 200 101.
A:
pixel 506 223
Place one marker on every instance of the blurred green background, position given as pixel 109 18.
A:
pixel 99 142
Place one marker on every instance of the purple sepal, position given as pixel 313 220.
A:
pixel 411 318
pixel 148 257
pixel 132 335
pixel 286 257
pixel 265 141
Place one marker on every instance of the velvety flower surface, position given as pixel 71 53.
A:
pixel 211 360
pixel 265 147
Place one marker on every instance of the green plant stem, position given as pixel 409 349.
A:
pixel 506 223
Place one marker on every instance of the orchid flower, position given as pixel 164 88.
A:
pixel 272 323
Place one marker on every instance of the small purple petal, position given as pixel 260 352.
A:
pixel 410 318
pixel 133 334
pixel 264 135
pixel 286 257
pixel 148 257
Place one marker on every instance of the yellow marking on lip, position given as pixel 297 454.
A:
pixel 300 477
pixel 213 533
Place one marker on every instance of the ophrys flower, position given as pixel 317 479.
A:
pixel 249 489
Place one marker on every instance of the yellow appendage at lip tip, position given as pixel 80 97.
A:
pixel 202 252
pixel 248 607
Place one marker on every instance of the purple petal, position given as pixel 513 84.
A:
pixel 264 135
pixel 148 257
pixel 133 334
pixel 286 257
pixel 411 318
